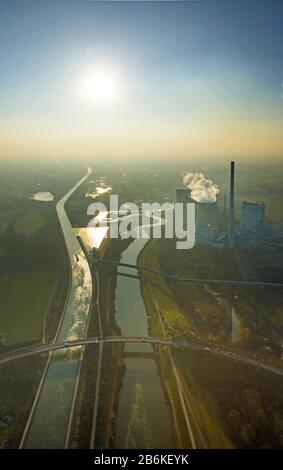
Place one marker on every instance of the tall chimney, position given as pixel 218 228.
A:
pixel 232 208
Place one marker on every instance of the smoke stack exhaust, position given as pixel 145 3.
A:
pixel 232 207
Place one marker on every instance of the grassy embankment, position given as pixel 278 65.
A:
pixel 177 324
pixel 208 309
pixel 216 411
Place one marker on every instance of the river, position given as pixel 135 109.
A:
pixel 144 417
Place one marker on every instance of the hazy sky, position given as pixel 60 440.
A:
pixel 190 78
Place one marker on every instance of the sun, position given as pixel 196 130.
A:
pixel 100 83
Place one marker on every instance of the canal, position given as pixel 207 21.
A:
pixel 49 418
pixel 144 417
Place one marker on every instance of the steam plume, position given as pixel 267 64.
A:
pixel 202 189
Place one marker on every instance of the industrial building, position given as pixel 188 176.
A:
pixel 207 221
pixel 252 218
pixel 205 234
pixel 207 215
pixel 182 195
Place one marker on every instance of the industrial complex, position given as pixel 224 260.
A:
pixel 212 227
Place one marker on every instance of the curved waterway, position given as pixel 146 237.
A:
pixel 143 417
pixel 47 426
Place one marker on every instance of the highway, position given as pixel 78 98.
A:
pixel 54 397
pixel 236 356
pixel 46 348
pixel 174 342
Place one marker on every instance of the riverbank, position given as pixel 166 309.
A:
pixel 204 377
pixel 158 294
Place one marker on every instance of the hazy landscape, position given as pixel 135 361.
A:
pixel 126 342
pixel 33 257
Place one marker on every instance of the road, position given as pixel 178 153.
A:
pixel 45 348
pixel 55 394
pixel 230 355
pixel 175 342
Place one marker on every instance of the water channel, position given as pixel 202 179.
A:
pixel 144 417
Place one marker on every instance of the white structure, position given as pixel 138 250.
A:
pixel 252 218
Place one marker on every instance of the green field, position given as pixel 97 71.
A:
pixel 24 297
pixel 29 224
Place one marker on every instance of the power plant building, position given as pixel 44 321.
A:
pixel 207 227
pixel 205 234
pixel 207 217
pixel 252 218
pixel 182 195
pixel 208 223
pixel 207 214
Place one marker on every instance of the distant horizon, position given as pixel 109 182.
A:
pixel 196 162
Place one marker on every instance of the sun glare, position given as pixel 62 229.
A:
pixel 100 84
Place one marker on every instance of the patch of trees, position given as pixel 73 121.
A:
pixel 249 423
